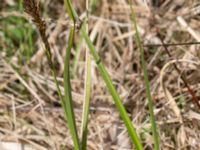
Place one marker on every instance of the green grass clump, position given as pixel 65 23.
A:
pixel 67 102
pixel 17 35
pixel 135 139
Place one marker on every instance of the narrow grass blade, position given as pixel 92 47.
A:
pixel 113 92
pixel 68 95
pixel 77 56
pixel 147 83
pixel 87 95
pixel 86 106
pixel 71 11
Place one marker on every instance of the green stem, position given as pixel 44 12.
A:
pixel 147 83
pixel 86 106
pixel 87 95
pixel 71 11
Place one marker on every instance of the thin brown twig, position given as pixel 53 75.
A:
pixel 171 44
pixel 194 97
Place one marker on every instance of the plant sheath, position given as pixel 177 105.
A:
pixel 68 95
pixel 87 95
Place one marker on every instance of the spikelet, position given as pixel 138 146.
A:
pixel 31 7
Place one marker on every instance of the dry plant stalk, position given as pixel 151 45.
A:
pixel 192 93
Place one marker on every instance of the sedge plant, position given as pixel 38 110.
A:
pixel 32 8
pixel 131 130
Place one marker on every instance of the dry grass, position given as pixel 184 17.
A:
pixel 25 90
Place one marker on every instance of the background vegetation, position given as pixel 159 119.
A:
pixel 30 109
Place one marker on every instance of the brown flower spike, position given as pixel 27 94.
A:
pixel 31 7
